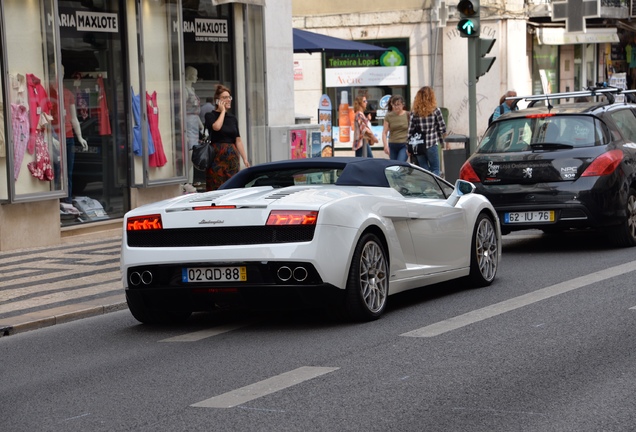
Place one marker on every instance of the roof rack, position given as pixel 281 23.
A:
pixel 630 95
pixel 601 90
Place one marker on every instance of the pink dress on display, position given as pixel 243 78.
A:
pixel 41 168
pixel 158 158
pixel 20 127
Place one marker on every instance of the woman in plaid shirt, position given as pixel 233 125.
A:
pixel 426 130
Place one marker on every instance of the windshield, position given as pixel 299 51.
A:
pixel 529 133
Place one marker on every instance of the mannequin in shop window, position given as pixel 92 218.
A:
pixel 71 134
pixel 194 125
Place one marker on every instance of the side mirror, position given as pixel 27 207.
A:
pixel 462 187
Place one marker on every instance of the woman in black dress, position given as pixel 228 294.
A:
pixel 224 134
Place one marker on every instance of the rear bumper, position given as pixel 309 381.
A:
pixel 162 287
pixel 591 202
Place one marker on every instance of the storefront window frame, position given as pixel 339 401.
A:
pixel 223 70
pixel 554 80
pixel 51 55
pixel 143 180
pixel 5 105
pixel 256 86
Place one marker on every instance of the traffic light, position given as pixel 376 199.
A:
pixel 468 25
pixel 484 63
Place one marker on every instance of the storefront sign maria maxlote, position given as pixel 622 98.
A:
pixel 89 21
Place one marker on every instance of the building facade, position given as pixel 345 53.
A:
pixel 534 54
pixel 101 101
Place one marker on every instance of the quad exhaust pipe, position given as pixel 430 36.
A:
pixel 298 274
pixel 137 278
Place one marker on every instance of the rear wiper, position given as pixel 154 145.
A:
pixel 550 146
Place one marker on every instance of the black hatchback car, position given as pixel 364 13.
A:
pixel 562 166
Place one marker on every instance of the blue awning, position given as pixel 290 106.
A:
pixel 309 42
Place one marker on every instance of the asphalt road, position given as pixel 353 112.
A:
pixel 550 346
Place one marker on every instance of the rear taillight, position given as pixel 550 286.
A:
pixel 141 223
pixel 468 173
pixel 292 217
pixel 605 164
pixel 214 207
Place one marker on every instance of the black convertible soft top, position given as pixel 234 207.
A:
pixel 355 171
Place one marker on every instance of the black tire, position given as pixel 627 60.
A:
pixel 484 258
pixel 368 282
pixel 624 235
pixel 145 315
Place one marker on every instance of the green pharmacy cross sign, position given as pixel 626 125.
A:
pixel 574 12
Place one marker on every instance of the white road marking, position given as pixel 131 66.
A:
pixel 202 334
pixel 634 308
pixel 265 387
pixel 519 302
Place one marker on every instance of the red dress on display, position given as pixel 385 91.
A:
pixel 158 158
pixel 104 119
pixel 39 108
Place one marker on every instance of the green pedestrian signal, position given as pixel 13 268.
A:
pixel 468 25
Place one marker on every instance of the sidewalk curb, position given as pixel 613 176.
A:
pixel 64 314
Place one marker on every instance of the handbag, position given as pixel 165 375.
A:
pixel 417 141
pixel 203 155
pixel 367 136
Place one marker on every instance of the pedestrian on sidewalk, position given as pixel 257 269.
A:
pixel 395 130
pixel 504 105
pixel 427 130
pixel 362 129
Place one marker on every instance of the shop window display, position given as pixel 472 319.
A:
pixel 29 146
pixel 92 77
pixel 67 131
pixel 208 61
pixel 155 95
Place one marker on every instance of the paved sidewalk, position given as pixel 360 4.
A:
pixel 46 286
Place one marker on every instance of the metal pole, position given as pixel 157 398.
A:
pixel 472 92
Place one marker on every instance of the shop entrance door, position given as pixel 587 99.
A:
pixel 92 40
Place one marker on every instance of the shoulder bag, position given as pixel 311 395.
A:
pixel 416 141
pixel 203 154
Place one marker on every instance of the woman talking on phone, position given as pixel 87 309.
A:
pixel 224 134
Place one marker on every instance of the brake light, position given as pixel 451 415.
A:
pixel 468 173
pixel 540 115
pixel 292 217
pixel 605 164
pixel 141 223
pixel 214 207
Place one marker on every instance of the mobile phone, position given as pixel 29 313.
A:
pixel 218 101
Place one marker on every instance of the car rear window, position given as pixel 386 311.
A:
pixel 520 133
pixel 293 177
